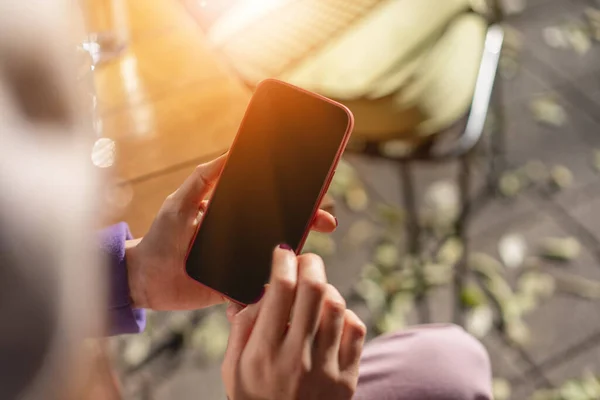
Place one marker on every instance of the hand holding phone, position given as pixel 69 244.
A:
pixel 156 263
pixel 277 171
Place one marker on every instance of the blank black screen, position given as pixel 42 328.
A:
pixel 268 189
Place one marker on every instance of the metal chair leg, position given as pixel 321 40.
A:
pixel 497 143
pixel 461 270
pixel 413 237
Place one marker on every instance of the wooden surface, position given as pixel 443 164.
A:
pixel 168 103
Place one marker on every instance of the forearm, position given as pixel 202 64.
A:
pixel 135 278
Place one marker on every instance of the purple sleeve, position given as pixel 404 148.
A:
pixel 122 317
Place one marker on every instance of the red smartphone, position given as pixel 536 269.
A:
pixel 277 172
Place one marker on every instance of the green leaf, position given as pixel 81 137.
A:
pixel 390 215
pixel 343 178
pixel 179 321
pixel 396 148
pixel 370 271
pixel 479 320
pixel 561 249
pixel 211 335
pixel 590 385
pixel 518 331
pixel 450 252
pixel 501 388
pixel 572 390
pixel 596 160
pixel 402 303
pixel 437 274
pixel 443 196
pixel 390 322
pixel 387 256
pixel 137 349
pixel 485 264
pixel 561 177
pixel 513 308
pixel 499 287
pixel 356 198
pixel 537 284
pixel 509 184
pixel 372 294
pixel 359 232
pixel 555 37
pixel 593 18
pixel 472 296
pixel 512 249
pixel 578 285
pixel 396 281
pixel 547 110
pixel 526 302
pixel 319 243
pixel 545 394
pixel 579 38
pixel 513 38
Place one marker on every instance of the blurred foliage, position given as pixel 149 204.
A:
pixel 561 176
pixel 210 335
pixel 596 160
pixel 319 243
pixel 501 389
pixel 546 109
pixel 512 249
pixel 585 388
pixel 537 175
pixel 560 249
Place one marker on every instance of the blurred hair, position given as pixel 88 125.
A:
pixel 27 320
pixel 49 286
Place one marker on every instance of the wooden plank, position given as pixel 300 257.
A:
pixel 188 124
pixel 169 99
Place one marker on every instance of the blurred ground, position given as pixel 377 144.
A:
pixel 564 329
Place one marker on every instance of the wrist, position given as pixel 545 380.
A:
pixel 135 276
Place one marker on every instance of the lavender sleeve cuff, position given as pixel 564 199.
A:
pixel 122 317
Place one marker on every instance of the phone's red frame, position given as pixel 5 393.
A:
pixel 324 188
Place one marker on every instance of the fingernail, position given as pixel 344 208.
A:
pixel 285 247
pixel 264 291
pixel 336 222
pixel 232 310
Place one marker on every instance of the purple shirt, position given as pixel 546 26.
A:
pixel 122 317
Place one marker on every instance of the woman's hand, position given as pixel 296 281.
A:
pixel 155 263
pixel 313 356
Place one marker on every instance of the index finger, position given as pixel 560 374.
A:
pixel 274 316
pixel 312 285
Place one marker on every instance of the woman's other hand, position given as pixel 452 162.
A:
pixel 314 355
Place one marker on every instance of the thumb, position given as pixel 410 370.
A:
pixel 200 182
pixel 242 322
pixel 232 310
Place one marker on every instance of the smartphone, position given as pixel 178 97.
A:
pixel 277 171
